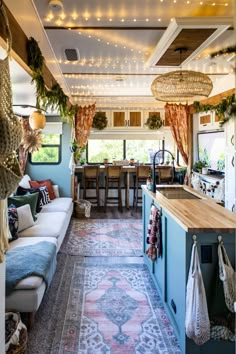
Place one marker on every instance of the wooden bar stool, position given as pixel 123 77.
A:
pixel 113 181
pixel 91 180
pixel 141 175
pixel 165 174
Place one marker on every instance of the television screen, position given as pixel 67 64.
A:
pixel 211 148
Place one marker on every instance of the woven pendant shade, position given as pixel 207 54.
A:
pixel 181 85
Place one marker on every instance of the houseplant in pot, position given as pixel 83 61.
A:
pixel 200 166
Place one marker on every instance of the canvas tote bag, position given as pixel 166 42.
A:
pixel 197 324
pixel 227 276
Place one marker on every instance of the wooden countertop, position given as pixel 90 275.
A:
pixel 196 215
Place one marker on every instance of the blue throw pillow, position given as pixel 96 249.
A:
pixel 12 222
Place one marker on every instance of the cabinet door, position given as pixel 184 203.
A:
pixel 119 119
pixel 205 120
pixel 135 119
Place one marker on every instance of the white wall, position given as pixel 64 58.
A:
pixel 2 308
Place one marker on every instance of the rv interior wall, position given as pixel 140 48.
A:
pixel 59 174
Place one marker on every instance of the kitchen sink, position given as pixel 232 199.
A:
pixel 176 193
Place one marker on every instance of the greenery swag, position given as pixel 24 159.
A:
pixel 154 122
pixel 223 109
pixel 100 121
pixel 54 98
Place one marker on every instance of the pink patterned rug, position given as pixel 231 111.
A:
pixel 114 237
pixel 102 308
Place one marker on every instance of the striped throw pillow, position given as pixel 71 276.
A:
pixel 45 199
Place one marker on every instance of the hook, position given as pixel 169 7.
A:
pixel 1 3
pixel 220 239
pixel 194 239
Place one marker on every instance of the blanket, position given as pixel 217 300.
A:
pixel 22 262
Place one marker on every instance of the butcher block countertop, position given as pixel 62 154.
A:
pixel 202 214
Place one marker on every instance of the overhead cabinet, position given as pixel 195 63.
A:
pixel 208 121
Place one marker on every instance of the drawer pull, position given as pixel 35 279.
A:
pixel 232 140
pixel 232 161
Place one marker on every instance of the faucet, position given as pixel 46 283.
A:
pixel 154 167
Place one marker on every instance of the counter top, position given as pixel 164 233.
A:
pixel 196 215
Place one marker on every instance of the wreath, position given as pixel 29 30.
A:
pixel 154 122
pixel 100 121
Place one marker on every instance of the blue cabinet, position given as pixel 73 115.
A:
pixel 170 273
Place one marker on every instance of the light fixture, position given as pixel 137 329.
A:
pixel 181 85
pixel 37 120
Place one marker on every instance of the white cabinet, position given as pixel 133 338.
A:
pixel 230 164
pixel 208 121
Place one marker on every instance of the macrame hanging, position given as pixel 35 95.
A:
pixel 10 138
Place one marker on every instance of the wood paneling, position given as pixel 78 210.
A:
pixel 119 119
pixel 135 119
pixel 205 119
pixel 189 38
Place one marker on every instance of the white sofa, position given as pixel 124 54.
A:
pixel 51 226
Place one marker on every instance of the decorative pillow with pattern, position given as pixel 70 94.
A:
pixel 13 222
pixel 44 196
pixel 42 200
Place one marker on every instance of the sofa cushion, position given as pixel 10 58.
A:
pixel 31 199
pixel 47 183
pixel 25 218
pixel 58 204
pixel 47 225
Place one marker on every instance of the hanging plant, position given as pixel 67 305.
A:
pixel 100 121
pixel 154 122
pixel 54 98
pixel 224 109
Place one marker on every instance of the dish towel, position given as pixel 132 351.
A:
pixel 154 234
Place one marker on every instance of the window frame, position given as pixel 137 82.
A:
pixel 59 146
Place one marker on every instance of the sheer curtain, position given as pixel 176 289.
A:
pixel 178 116
pixel 83 124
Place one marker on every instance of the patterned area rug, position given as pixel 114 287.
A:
pixel 110 309
pixel 103 238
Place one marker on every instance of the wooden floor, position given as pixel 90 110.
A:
pixel 112 213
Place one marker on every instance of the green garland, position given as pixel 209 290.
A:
pixel 222 109
pixel 54 98
pixel 154 122
pixel 100 121
pixel 227 50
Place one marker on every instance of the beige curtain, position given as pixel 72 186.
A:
pixel 178 116
pixel 83 124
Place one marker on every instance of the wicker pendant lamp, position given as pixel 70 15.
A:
pixel 181 85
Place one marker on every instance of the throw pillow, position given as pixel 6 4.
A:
pixel 45 199
pixel 25 218
pixel 25 181
pixel 47 183
pixel 31 199
pixel 12 222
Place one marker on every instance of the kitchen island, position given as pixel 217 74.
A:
pixel 186 213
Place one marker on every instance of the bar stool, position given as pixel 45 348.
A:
pixel 113 181
pixel 165 174
pixel 91 179
pixel 141 175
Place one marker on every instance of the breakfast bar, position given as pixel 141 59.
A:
pixel 187 217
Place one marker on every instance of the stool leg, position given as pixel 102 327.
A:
pixel 84 193
pixel 119 195
pixel 106 196
pixel 97 192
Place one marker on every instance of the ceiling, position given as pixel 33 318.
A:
pixel 123 45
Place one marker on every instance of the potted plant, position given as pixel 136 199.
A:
pixel 199 165
pixel 77 151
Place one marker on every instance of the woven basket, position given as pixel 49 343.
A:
pixel 16 334
pixel 10 175
pixel 10 126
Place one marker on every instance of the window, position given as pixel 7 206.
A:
pixel 50 151
pixel 140 150
pixel 99 149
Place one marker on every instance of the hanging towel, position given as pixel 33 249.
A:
pixel 154 234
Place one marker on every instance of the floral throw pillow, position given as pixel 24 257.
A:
pixel 13 223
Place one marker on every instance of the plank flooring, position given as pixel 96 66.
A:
pixel 112 213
